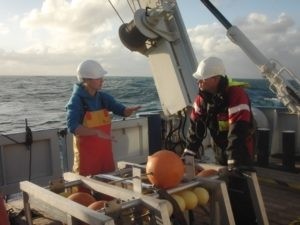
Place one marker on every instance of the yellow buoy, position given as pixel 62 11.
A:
pixel 190 199
pixel 180 201
pixel 202 195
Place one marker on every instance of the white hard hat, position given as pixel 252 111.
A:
pixel 210 67
pixel 90 69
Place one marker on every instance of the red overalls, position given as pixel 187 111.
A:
pixel 93 155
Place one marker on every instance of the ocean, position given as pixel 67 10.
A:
pixel 41 100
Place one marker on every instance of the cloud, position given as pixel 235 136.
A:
pixel 63 26
pixel 61 15
pixel 61 33
pixel 3 29
pixel 277 39
pixel 67 32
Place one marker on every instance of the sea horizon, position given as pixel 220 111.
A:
pixel 42 99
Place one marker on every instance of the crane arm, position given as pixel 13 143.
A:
pixel 283 82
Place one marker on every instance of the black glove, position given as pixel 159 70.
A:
pixel 235 170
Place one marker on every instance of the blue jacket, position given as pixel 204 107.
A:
pixel 81 101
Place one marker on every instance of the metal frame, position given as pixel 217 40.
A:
pixel 58 207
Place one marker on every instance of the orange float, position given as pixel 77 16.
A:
pixel 97 205
pixel 82 198
pixel 164 169
pixel 207 173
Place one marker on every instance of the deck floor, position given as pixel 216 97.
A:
pixel 282 204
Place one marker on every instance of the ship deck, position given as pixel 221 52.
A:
pixel 281 200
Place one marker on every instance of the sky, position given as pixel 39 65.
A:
pixel 51 37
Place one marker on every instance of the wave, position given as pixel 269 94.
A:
pixel 41 100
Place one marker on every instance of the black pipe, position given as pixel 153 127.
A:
pixel 263 148
pixel 288 149
pixel 217 13
pixel 28 144
pixel 154 131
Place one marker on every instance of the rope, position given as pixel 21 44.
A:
pixel 139 4
pixel 116 11
pixel 11 139
pixel 27 143
pixel 132 10
pixel 138 1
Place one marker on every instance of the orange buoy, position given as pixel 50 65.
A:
pixel 82 198
pixel 97 205
pixel 164 169
pixel 207 173
pixel 3 213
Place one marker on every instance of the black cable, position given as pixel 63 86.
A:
pixel 182 136
pixel 183 126
pixel 168 135
pixel 28 144
pixel 63 134
pixel 28 137
pixel 11 139
pixel 201 152
pixel 180 133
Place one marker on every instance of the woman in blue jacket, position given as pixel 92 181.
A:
pixel 89 120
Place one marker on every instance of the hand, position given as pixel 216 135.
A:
pixel 129 110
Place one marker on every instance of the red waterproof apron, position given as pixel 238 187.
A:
pixel 93 155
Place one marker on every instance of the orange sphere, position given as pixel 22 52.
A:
pixel 207 173
pixel 97 205
pixel 82 198
pixel 164 169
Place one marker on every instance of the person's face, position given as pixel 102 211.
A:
pixel 95 84
pixel 210 84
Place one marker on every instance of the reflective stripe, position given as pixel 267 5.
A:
pixel 196 108
pixel 238 108
pixel 187 151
